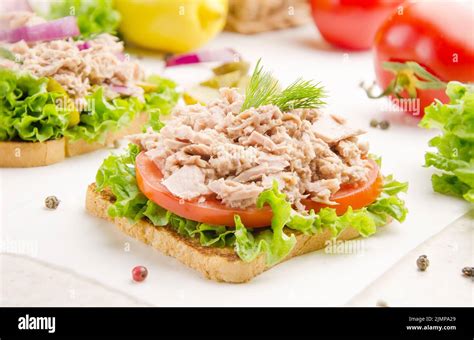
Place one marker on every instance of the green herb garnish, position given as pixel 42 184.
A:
pixel 300 94
pixel 263 89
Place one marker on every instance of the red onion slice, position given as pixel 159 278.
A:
pixel 222 55
pixel 84 46
pixel 57 29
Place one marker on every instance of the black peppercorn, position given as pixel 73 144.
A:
pixel 51 202
pixel 422 262
pixel 384 124
pixel 468 271
pixel 374 123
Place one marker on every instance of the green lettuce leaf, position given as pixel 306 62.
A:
pixel 211 235
pixel 161 100
pixel 275 244
pixel 104 116
pixel 112 115
pixel 117 173
pixel 249 245
pixel 454 154
pixel 208 235
pixel 388 205
pixel 279 242
pixel 93 16
pixel 27 110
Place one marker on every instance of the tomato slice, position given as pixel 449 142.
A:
pixel 356 195
pixel 212 211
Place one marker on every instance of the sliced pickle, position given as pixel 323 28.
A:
pixel 74 115
pixel 241 66
pixel 147 87
pixel 224 80
pixel 67 104
pixel 54 86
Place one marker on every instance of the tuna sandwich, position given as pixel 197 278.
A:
pixel 236 186
pixel 59 86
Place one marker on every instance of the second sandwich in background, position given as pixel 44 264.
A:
pixel 62 94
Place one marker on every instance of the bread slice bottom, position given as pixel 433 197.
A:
pixel 31 154
pixel 219 264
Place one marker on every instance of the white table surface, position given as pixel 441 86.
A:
pixel 95 250
pixel 441 284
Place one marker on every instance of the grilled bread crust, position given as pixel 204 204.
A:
pixel 218 264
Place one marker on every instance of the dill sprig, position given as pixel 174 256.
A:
pixel 301 94
pixel 263 89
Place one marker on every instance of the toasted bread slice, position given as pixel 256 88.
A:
pixel 219 264
pixel 31 154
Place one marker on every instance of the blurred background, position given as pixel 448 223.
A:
pixel 437 35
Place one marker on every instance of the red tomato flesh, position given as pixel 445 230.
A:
pixel 351 24
pixel 212 211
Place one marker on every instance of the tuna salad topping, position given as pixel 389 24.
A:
pixel 75 64
pixel 234 155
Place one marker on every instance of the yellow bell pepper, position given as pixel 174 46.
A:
pixel 171 25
